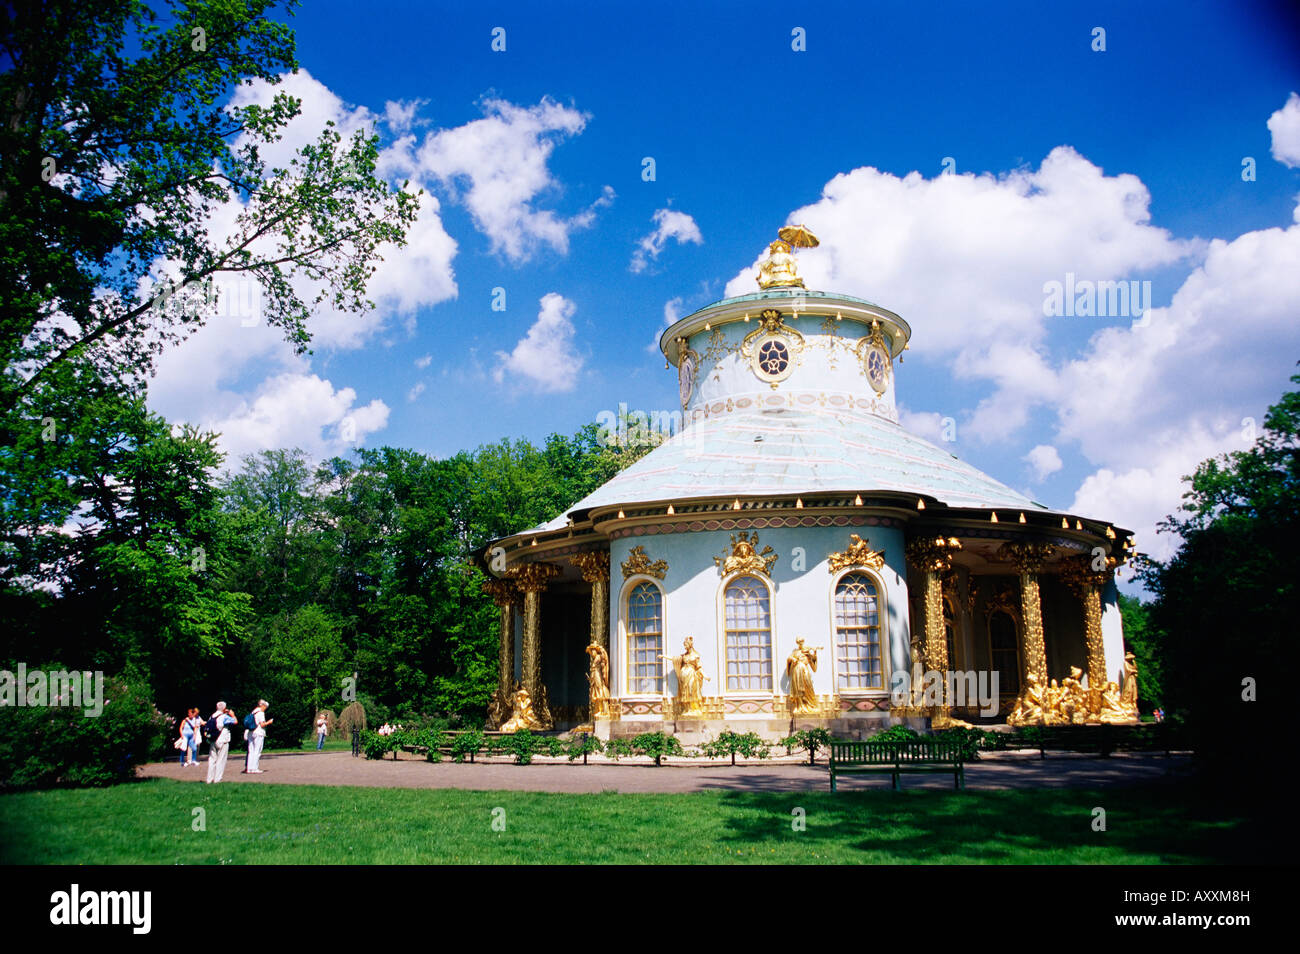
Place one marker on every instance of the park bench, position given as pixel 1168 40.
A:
pixel 895 758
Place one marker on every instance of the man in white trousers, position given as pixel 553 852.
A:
pixel 258 737
pixel 219 748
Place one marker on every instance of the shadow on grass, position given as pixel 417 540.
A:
pixel 1161 823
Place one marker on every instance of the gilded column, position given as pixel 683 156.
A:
pixel 1079 574
pixel 1028 559
pixel 532 579
pixel 932 556
pixel 595 570
pixel 505 596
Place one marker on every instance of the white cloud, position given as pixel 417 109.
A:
pixel 415 392
pixel 1285 128
pixel 498 166
pixel 669 224
pixel 299 410
pixel 672 311
pixel 1044 461
pixel 546 357
pixel 400 114
pixel 424 361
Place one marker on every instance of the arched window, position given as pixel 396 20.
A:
pixel 645 639
pixel 857 633
pixel 748 635
pixel 1004 656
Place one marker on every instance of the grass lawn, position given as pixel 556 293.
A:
pixel 151 822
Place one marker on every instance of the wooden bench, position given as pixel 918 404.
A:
pixel 895 758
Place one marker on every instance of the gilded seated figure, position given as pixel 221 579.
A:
pixel 690 678
pixel 523 716
pixel 1028 709
pixel 598 680
pixel 800 667
pixel 1074 703
pixel 1112 706
pixel 778 269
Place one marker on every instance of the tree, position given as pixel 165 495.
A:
pixel 1227 602
pixel 119 152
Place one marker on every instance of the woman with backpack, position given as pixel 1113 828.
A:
pixel 255 731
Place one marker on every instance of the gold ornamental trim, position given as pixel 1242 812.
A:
pixel 932 554
pixel 593 564
pixel 745 556
pixel 638 562
pixel 502 592
pixel 533 577
pixel 1025 555
pixel 858 554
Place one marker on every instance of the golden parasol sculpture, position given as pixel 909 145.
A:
pixel 798 236
pixel 778 269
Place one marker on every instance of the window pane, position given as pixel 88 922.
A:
pixel 857 634
pixel 748 635
pixel 645 639
pixel 1004 653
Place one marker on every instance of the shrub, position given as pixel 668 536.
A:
pixel 617 748
pixel 895 733
pixel 749 745
pixel 467 742
pixel 374 745
pixel 657 745
pixel 810 739
pixel 431 740
pixel 582 745
pixel 524 745
pixel 554 746
pixel 969 739
pixel 43 745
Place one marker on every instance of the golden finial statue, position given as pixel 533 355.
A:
pixel 778 269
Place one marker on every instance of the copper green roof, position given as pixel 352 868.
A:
pixel 784 451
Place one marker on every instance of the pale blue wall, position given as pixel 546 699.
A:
pixel 801 598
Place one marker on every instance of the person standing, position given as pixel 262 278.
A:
pixel 195 735
pixel 220 746
pixel 322 727
pixel 257 737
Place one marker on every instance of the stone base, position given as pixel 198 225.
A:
pixel 696 731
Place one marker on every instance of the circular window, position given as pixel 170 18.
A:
pixel 877 367
pixel 773 357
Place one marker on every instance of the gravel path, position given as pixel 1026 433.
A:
pixel 999 770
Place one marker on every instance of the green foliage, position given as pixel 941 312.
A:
pixel 656 745
pixel 809 739
pixel 467 742
pixel 523 745
pixel 152 159
pixel 748 745
pixel 619 748
pixel 48 745
pixel 1231 593
pixel 895 733
pixel 1143 641
pixel 431 740
pixel 582 745
pixel 970 740
pixel 374 745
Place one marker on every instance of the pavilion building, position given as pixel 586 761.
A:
pixel 792 513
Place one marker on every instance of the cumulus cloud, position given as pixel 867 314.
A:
pixel 498 167
pixel 672 311
pixel 299 410
pixel 546 358
pixel 1044 461
pixel 669 224
pixel 965 260
pixel 1285 128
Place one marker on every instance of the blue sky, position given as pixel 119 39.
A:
pixel 1117 164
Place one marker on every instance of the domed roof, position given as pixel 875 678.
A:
pixel 784 451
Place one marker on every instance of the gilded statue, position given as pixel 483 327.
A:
pixel 1112 706
pixel 1028 709
pixel 1129 693
pixel 690 678
pixel 598 680
pixel 800 666
pixel 523 716
pixel 1052 698
pixel 778 269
